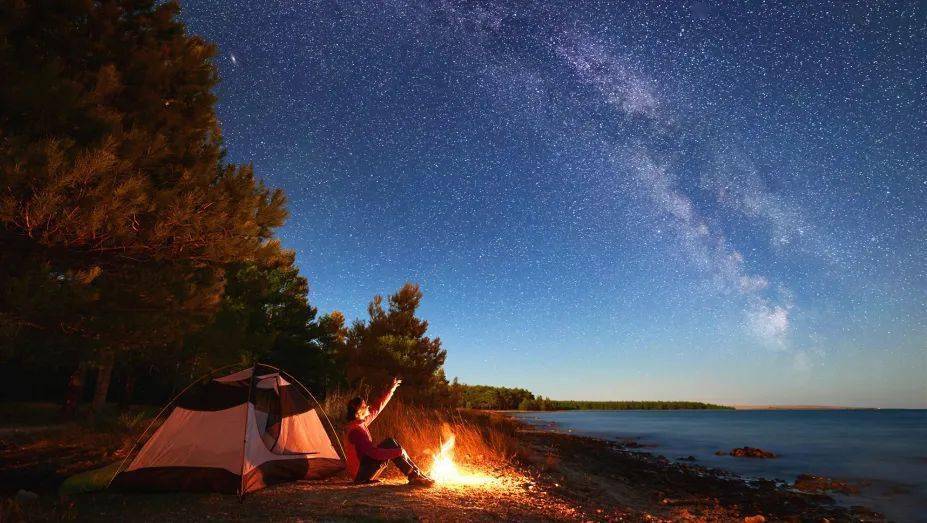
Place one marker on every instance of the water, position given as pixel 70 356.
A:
pixel 885 448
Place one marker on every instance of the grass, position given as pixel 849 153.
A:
pixel 38 449
pixel 48 450
pixel 483 440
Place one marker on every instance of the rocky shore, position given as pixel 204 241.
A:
pixel 615 483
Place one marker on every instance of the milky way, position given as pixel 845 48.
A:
pixel 656 200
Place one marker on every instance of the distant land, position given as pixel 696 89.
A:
pixel 799 407
pixel 490 397
pixel 547 404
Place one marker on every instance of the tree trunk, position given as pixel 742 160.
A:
pixel 74 392
pixel 104 373
pixel 128 388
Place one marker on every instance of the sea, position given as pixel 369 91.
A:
pixel 884 450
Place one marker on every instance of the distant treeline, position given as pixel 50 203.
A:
pixel 491 398
pixel 504 398
pixel 629 405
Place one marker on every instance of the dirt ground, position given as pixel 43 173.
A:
pixel 391 500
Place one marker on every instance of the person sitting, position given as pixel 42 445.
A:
pixel 365 461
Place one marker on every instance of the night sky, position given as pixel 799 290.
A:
pixel 657 200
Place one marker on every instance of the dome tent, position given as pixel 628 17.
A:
pixel 234 434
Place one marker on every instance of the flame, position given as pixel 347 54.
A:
pixel 444 469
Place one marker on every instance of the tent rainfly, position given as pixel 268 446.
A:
pixel 235 434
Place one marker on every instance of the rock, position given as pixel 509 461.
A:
pixel 866 513
pixel 687 458
pixel 25 496
pixel 751 452
pixel 897 489
pixel 820 484
pixel 747 452
pixel 633 444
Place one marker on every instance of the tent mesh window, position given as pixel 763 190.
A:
pixel 267 414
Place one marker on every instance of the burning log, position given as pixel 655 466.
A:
pixel 445 471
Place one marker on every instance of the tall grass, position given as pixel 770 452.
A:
pixel 482 439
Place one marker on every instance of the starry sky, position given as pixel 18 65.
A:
pixel 636 200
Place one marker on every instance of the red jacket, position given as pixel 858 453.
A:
pixel 359 443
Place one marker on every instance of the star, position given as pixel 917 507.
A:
pixel 617 184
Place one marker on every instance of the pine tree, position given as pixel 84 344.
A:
pixel 393 343
pixel 332 336
pixel 116 198
pixel 265 315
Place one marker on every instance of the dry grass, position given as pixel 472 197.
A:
pixel 37 450
pixel 483 440
pixel 38 455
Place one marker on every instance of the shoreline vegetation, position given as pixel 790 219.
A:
pixel 630 405
pixel 488 397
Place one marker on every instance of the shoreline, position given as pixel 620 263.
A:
pixel 614 479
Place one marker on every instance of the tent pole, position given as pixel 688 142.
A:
pixel 244 444
pixel 158 415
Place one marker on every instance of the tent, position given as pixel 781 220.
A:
pixel 234 434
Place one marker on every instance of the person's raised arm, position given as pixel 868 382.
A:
pixel 376 408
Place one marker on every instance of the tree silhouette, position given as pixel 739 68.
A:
pixel 118 214
pixel 393 343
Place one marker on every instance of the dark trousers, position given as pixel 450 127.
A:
pixel 371 468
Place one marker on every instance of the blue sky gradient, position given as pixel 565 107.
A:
pixel 658 200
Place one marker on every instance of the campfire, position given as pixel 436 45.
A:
pixel 445 471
